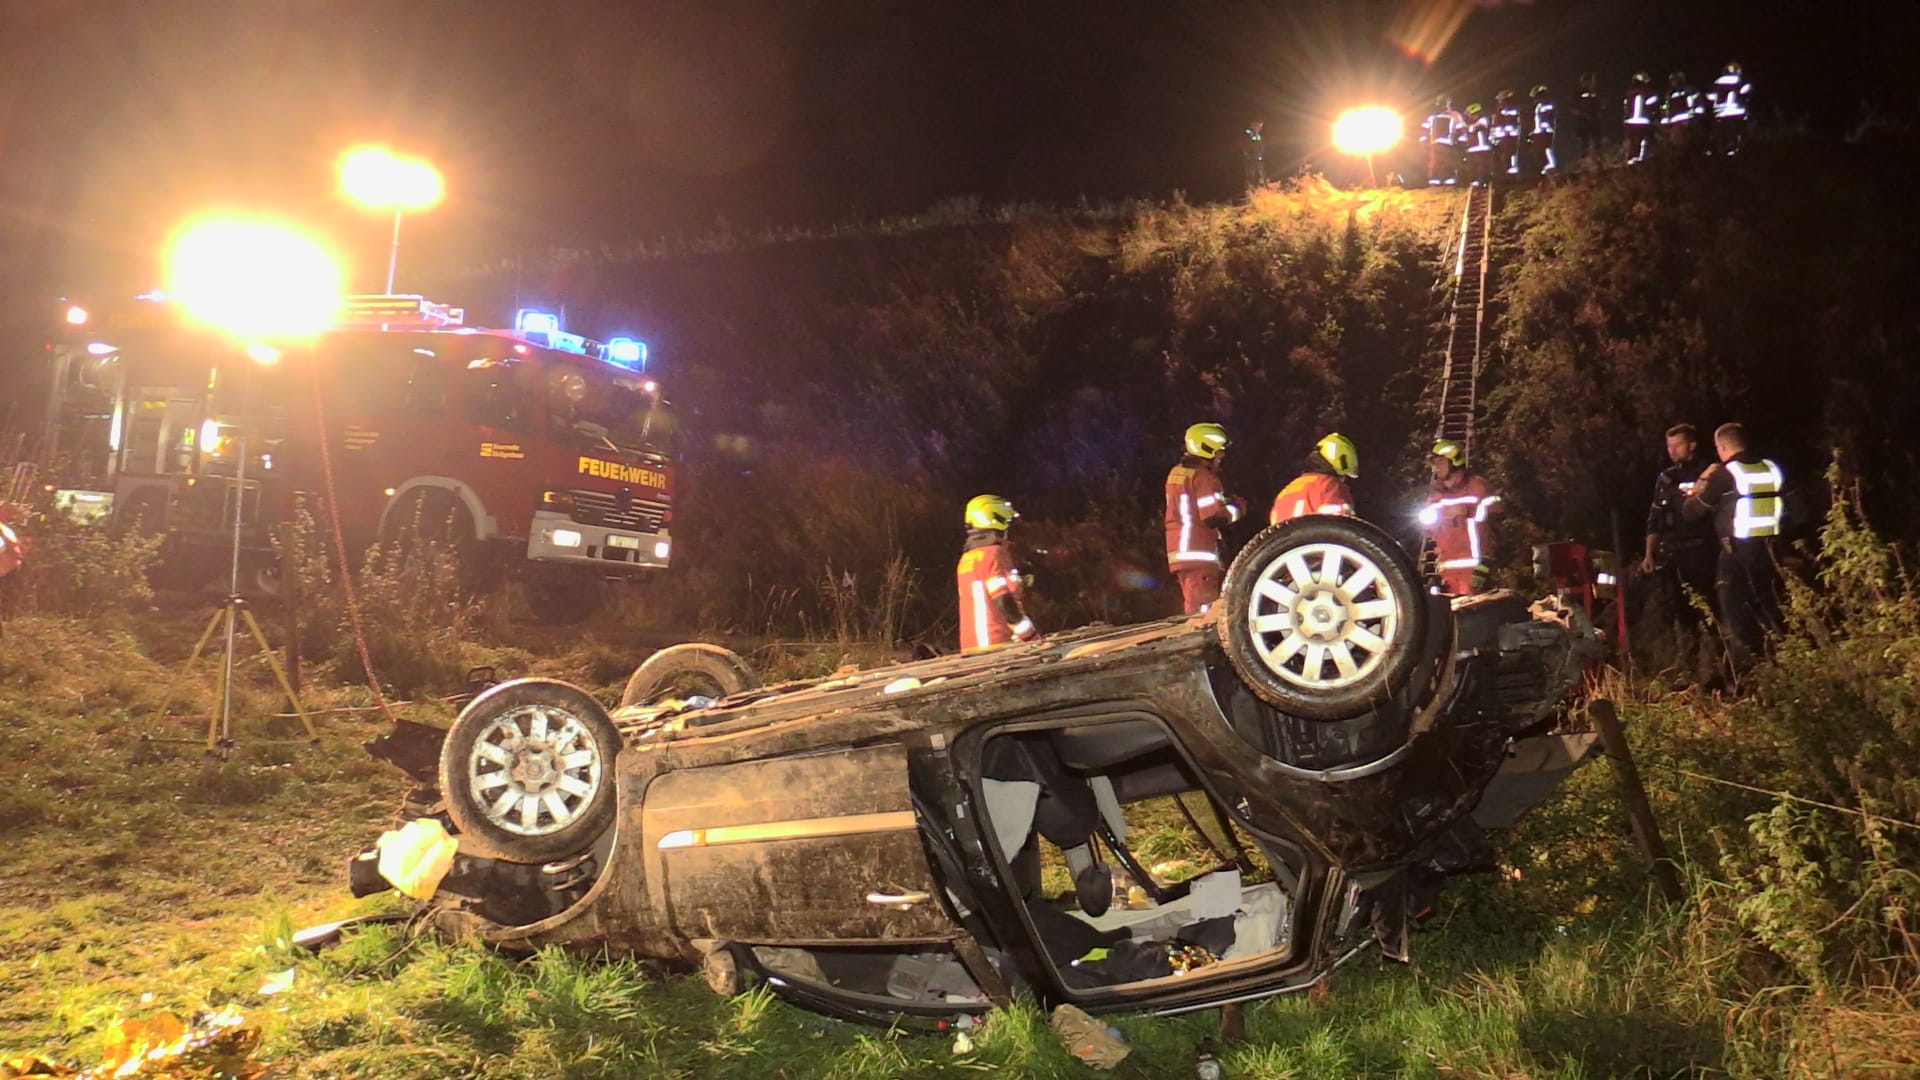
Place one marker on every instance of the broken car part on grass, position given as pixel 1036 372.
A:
pixel 872 845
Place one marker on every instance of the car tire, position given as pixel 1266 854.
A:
pixel 1324 617
pixel 683 670
pixel 528 771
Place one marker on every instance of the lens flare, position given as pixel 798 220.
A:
pixel 1369 129
pixel 254 279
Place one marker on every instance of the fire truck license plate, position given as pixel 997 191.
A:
pixel 631 543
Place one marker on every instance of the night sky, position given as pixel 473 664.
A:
pixel 570 123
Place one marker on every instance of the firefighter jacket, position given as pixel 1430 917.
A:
pixel 1542 117
pixel 1507 124
pixel 1316 491
pixel 1683 106
pixel 1642 107
pixel 11 554
pixel 1671 488
pixel 1745 498
pixel 991 594
pixel 1444 127
pixel 1455 516
pixel 1197 509
pixel 1729 96
pixel 1479 137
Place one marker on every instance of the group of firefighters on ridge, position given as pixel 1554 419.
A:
pixel 1710 530
pixel 1538 137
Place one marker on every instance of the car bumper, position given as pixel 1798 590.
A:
pixel 557 538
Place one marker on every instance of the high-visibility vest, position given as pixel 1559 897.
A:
pixel 1729 99
pixel 1756 508
pixel 985 575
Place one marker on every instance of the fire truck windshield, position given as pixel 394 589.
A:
pixel 619 411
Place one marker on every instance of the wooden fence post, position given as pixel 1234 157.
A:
pixel 1646 831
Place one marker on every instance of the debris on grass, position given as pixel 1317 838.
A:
pixel 215 1045
pixel 1087 1039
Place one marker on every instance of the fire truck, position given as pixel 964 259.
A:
pixel 534 443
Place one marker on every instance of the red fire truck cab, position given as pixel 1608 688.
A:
pixel 540 443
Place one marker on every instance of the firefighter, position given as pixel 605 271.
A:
pixel 1322 487
pixel 1455 518
pixel 992 589
pixel 1506 132
pixel 1729 99
pixel 1445 133
pixel 1197 509
pixel 1681 119
pixel 1540 134
pixel 1743 495
pixel 1680 551
pixel 1479 140
pixel 1642 117
pixel 1253 154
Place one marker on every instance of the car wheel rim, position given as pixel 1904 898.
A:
pixel 1323 617
pixel 534 770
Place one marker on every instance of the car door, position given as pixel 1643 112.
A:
pixel 815 848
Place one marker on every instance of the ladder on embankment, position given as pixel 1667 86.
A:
pixel 1466 321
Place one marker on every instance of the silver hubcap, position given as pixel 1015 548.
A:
pixel 534 769
pixel 1323 617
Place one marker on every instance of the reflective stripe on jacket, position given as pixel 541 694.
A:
pixel 1196 510
pixel 1456 518
pixel 1311 493
pixel 989 583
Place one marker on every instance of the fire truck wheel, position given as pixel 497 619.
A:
pixel 435 516
pixel 1323 617
pixel 527 771
pixel 144 513
pixel 680 671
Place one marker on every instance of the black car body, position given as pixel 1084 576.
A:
pixel 869 844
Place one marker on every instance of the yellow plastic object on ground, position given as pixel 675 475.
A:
pixel 416 856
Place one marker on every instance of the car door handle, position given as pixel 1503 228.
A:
pixel 898 899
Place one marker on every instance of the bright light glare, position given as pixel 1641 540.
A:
pixel 375 176
pixel 254 279
pixel 263 354
pixel 1366 130
pixel 76 316
pixel 101 348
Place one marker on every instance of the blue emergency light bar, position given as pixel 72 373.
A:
pixel 627 352
pixel 543 328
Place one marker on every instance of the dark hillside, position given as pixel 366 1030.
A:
pixel 843 396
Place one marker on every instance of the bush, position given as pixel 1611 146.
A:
pixel 77 568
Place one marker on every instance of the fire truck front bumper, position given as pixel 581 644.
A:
pixel 558 538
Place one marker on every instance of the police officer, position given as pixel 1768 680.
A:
pixel 1253 154
pixel 1681 552
pixel 1579 134
pixel 1742 494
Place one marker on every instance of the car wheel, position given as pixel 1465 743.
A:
pixel 1324 617
pixel 527 771
pixel 693 669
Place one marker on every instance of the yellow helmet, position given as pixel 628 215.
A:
pixel 990 512
pixel 1206 440
pixel 1452 451
pixel 1338 451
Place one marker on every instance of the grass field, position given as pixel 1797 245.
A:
pixel 173 884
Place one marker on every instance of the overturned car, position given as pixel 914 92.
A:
pixel 879 845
